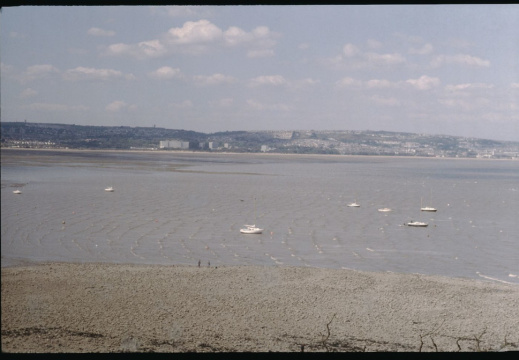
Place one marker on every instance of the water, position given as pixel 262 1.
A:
pixel 179 208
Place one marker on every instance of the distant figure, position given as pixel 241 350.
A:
pixel 199 263
pixel 208 263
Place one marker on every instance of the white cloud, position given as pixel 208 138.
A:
pixel 470 86
pixel 118 49
pixel 352 58
pixel 141 50
pixel 38 72
pixel 84 73
pixel 514 85
pixel 424 50
pixel 235 36
pixel 424 82
pixel 303 46
pixel 350 50
pixel 56 107
pixel 348 82
pixel 28 93
pixel 274 80
pixel 100 32
pixel 116 106
pixel 384 59
pixel 461 59
pixel 378 84
pixel 152 48
pixel 261 32
pixel 166 73
pixel 214 79
pixel 260 40
pixel 198 37
pixel 194 32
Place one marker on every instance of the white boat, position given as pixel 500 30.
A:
pixel 17 192
pixel 384 210
pixel 251 229
pixel 109 189
pixel 417 224
pixel 427 208
pixel 354 204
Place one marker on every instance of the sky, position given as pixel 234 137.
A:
pixel 428 69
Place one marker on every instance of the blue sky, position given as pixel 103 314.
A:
pixel 436 69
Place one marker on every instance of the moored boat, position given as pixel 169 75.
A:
pixel 417 224
pixel 251 229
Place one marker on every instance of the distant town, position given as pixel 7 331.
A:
pixel 345 142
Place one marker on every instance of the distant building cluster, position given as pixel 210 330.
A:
pixel 174 144
pixel 185 145
pixel 32 144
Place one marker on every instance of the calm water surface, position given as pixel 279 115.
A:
pixel 179 208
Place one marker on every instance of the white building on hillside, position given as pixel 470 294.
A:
pixel 174 144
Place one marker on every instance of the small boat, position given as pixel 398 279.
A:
pixel 17 192
pixel 417 224
pixel 109 189
pixel 427 208
pixel 354 204
pixel 251 229
pixel 384 210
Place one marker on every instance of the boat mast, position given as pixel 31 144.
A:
pixel 254 210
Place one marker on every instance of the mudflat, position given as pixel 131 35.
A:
pixel 65 307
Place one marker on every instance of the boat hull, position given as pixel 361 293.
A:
pixel 251 231
pixel 417 224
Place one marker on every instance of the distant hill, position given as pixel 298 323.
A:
pixel 345 142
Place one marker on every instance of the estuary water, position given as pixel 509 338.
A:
pixel 175 208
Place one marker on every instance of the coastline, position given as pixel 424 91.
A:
pixel 267 154
pixel 93 307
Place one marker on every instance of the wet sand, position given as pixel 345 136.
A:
pixel 60 307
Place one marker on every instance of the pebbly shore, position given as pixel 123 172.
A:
pixel 65 307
